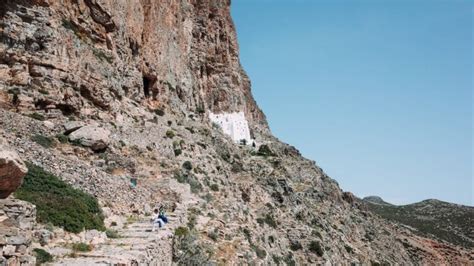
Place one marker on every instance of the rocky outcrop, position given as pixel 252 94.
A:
pixel 12 170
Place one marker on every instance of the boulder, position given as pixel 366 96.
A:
pixel 48 124
pixel 12 170
pixel 96 138
pixel 95 237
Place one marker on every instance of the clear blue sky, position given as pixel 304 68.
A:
pixel 378 93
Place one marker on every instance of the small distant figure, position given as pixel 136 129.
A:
pixel 159 218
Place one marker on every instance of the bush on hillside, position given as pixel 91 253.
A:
pixel 170 134
pixel 188 165
pixel 37 116
pixel 81 247
pixel 42 256
pixel 315 247
pixel 44 141
pixel 265 151
pixel 59 203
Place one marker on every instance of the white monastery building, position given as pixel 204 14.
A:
pixel 233 124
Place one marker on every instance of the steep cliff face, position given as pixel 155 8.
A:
pixel 94 54
pixel 147 74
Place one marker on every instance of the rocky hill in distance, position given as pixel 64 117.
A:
pixel 450 222
pixel 376 200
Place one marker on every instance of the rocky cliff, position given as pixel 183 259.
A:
pixel 77 55
pixel 98 91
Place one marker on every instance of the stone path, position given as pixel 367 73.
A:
pixel 137 244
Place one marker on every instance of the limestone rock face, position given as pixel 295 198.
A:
pixel 12 170
pixel 96 138
pixel 180 55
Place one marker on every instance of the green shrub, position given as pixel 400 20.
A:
pixel 348 248
pixel 81 247
pixel 316 248
pixel 289 260
pixel 181 178
pixel 295 245
pixel 37 116
pixel 43 91
pixel 270 220
pixel 177 152
pixel 42 256
pixel 170 134
pixel 265 151
pixel 59 203
pixel 181 231
pixel 200 109
pixel 276 259
pixel 112 233
pixel 76 142
pixel 247 234
pixel 44 141
pixel 13 91
pixel 188 165
pixel 215 187
pixel 62 138
pixel 160 112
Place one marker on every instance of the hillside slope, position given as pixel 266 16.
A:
pixel 446 221
pixel 99 91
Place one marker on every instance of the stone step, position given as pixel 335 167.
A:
pixel 129 241
pixel 104 255
pixel 85 261
pixel 147 228
pixel 148 234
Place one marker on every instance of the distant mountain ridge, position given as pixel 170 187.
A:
pixel 446 221
pixel 376 200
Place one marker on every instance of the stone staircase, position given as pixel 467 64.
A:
pixel 137 244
